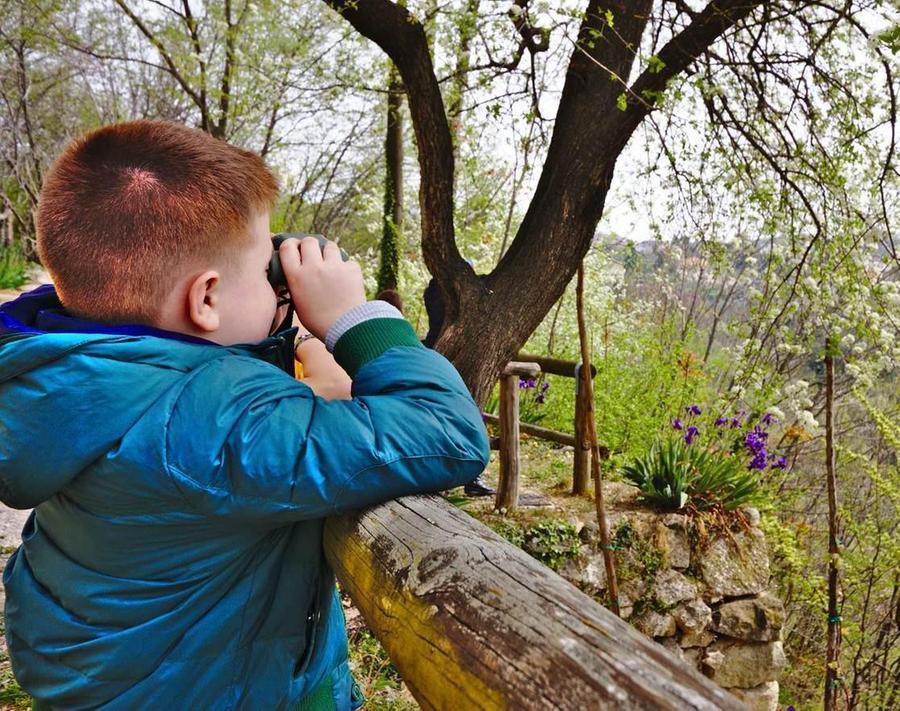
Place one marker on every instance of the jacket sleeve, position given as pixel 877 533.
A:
pixel 246 440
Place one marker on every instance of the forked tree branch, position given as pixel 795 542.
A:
pixel 680 52
pixel 402 37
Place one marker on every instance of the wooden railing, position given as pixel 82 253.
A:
pixel 473 622
pixel 530 366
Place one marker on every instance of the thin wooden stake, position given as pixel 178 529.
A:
pixel 833 652
pixel 608 560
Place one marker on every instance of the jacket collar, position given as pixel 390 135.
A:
pixel 40 311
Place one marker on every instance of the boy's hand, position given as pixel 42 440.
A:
pixel 322 287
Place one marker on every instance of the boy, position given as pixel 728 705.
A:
pixel 179 475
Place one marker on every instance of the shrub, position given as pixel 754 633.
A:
pixel 13 267
pixel 552 543
pixel 716 471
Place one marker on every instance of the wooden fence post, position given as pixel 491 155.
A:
pixel 508 486
pixel 580 470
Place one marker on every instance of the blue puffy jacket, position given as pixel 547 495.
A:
pixel 174 556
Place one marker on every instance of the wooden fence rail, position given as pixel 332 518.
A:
pixel 530 366
pixel 472 622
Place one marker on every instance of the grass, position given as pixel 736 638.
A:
pixel 13 268
pixel 11 694
pixel 381 683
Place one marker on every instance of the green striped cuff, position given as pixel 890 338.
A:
pixel 369 339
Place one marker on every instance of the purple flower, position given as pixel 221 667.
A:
pixel 721 421
pixel 758 461
pixel 526 384
pixel 735 423
pixel 755 440
pixel 691 433
pixel 539 398
pixel 780 463
pixel 544 386
pixel 767 419
pixel 676 424
pixel 694 410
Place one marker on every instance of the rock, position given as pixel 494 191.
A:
pixel 692 619
pixel 694 640
pixel 632 588
pixel 693 616
pixel 587 571
pixel 594 573
pixel 713 660
pixel 674 520
pixel 733 570
pixel 670 587
pixel 618 493
pixel 760 698
pixel 692 656
pixel 673 647
pixel 655 624
pixel 756 619
pixel 752 515
pixel 533 500
pixel 733 664
pixel 674 544
pixel 590 532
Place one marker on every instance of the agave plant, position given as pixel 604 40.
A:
pixel 663 474
pixel 674 472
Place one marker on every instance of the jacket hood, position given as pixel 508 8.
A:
pixel 71 388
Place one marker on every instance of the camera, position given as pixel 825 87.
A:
pixel 276 273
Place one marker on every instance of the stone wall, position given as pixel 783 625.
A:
pixel 705 597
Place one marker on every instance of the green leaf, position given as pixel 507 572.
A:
pixel 655 65
pixel 622 102
pixel 891 38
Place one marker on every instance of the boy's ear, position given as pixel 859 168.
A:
pixel 203 301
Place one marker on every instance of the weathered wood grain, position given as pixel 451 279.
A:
pixel 580 465
pixel 472 622
pixel 554 366
pixel 508 485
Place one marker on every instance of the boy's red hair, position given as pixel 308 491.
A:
pixel 128 208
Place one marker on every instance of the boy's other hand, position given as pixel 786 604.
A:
pixel 322 285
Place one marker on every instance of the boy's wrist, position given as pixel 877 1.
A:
pixel 370 335
pixel 303 338
pixel 357 315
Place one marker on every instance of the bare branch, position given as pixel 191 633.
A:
pixel 167 58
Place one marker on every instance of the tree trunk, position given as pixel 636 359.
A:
pixel 593 124
pixel 392 219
